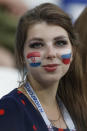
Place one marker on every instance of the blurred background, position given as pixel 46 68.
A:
pixel 10 12
pixel 73 7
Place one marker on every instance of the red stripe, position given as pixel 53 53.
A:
pixel 66 61
pixel 60 129
pixel 33 54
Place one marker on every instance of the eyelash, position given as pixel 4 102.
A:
pixel 61 43
pixel 36 45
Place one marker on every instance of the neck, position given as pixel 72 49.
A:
pixel 45 93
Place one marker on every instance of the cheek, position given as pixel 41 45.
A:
pixel 65 68
pixel 34 59
pixel 66 56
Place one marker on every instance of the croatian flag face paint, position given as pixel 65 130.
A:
pixel 66 57
pixel 34 59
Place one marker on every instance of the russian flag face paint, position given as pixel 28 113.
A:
pixel 34 59
pixel 66 57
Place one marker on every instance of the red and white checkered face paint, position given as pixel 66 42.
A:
pixel 34 59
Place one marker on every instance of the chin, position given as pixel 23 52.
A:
pixel 48 80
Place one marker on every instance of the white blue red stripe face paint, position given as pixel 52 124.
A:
pixel 66 58
pixel 34 59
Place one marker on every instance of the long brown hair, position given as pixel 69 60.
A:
pixel 70 86
pixel 80 26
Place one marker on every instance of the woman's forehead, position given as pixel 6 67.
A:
pixel 43 30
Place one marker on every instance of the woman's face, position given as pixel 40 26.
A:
pixel 47 52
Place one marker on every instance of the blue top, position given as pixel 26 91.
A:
pixel 18 114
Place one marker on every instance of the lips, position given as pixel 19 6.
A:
pixel 50 67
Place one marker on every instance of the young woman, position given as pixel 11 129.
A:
pixel 50 97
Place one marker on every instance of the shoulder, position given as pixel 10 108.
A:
pixel 13 102
pixel 18 114
pixel 11 109
pixel 10 100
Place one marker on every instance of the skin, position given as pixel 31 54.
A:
pixel 50 52
pixel 51 42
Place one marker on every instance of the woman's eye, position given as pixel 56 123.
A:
pixel 36 45
pixel 61 43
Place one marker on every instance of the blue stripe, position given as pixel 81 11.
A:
pixel 35 64
pixel 74 1
pixel 66 56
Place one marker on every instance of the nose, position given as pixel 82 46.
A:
pixel 50 52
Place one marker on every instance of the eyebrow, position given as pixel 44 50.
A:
pixel 40 39
pixel 60 37
pixel 35 39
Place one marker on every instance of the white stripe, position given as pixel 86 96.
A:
pixel 37 59
pixel 32 94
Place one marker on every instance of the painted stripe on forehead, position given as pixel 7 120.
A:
pixel 33 54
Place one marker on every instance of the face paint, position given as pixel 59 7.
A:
pixel 66 57
pixel 34 59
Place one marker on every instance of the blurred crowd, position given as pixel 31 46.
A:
pixel 10 12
